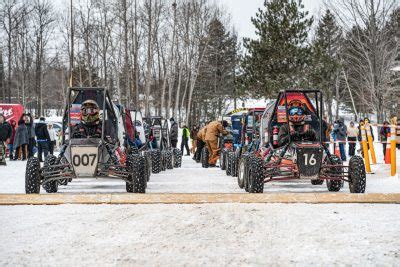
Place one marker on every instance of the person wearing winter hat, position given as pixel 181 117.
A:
pixel 213 130
pixel 173 135
pixel 21 141
pixel 5 136
pixel 43 138
pixel 352 134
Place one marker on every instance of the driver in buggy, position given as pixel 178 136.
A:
pixel 89 125
pixel 297 129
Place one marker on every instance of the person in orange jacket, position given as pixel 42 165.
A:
pixel 214 129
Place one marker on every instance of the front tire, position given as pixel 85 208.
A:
pixel 335 185
pixel 357 176
pixel 242 171
pixel 256 176
pixel 52 186
pixel 169 164
pixel 32 176
pixel 229 163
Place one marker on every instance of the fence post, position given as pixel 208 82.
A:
pixel 370 142
pixel 393 150
pixel 365 149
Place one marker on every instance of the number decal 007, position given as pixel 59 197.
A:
pixel 84 159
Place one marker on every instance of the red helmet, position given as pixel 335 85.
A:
pixel 296 111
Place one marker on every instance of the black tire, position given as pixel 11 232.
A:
pixel 357 176
pixel 229 158
pixel 204 157
pixel 222 159
pixel 32 176
pixel 242 171
pixel 137 178
pixel 163 161
pixel 169 164
pixel 147 156
pixel 156 161
pixel 234 165
pixel 177 154
pixel 256 176
pixel 317 182
pixel 335 185
pixel 52 186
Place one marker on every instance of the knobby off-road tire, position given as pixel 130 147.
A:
pixel 52 186
pixel 256 176
pixel 234 165
pixel 317 182
pixel 177 156
pixel 357 176
pixel 242 171
pixel 229 159
pixel 147 155
pixel 32 176
pixel 136 167
pixel 335 185
pixel 222 159
pixel 169 164
pixel 156 161
pixel 204 157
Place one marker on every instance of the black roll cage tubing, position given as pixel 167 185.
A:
pixel 105 95
pixel 318 102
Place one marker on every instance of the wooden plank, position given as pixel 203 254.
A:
pixel 124 198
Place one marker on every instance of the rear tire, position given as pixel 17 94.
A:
pixel 169 165
pixel 177 154
pixel 222 159
pixel 137 178
pixel 317 182
pixel 155 161
pixel 335 185
pixel 256 176
pixel 229 163
pixel 32 176
pixel 357 176
pixel 52 186
pixel 234 165
pixel 204 157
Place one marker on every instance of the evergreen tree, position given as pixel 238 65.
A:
pixel 279 58
pixel 216 79
pixel 325 61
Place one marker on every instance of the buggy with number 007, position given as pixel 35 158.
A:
pixel 298 159
pixel 107 154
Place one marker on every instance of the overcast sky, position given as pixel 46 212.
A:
pixel 242 11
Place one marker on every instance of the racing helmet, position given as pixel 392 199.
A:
pixel 90 112
pixel 296 111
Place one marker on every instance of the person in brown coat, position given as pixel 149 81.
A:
pixel 199 143
pixel 214 129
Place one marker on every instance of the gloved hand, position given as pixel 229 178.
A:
pixel 294 135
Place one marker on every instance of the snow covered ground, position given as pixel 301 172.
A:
pixel 191 178
pixel 194 235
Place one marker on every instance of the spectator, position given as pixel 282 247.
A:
pixel 364 123
pixel 340 132
pixel 352 134
pixel 30 126
pixel 193 136
pixel 383 134
pixel 13 124
pixel 21 141
pixel 5 136
pixel 185 140
pixel 43 138
pixel 173 136
pixel 53 138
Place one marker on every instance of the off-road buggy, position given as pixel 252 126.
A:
pixel 248 141
pixel 163 155
pixel 106 155
pixel 310 160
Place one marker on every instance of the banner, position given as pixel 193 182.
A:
pixel 12 111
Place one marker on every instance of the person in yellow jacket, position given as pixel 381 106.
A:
pixel 214 129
